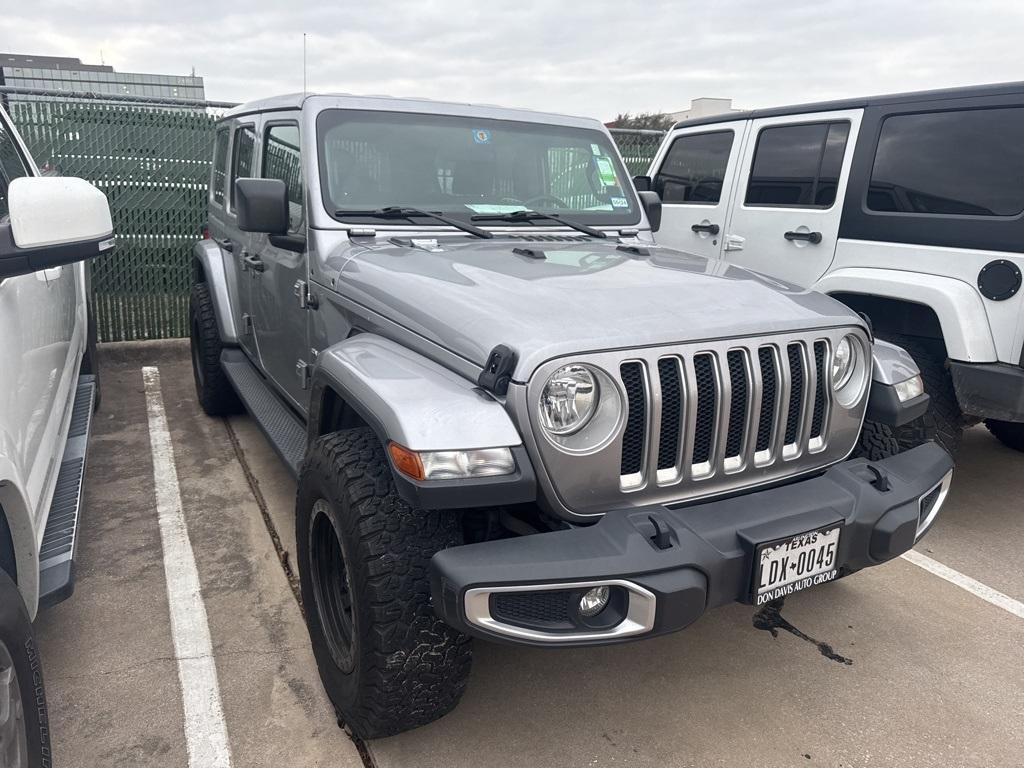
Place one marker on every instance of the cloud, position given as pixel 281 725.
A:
pixel 594 58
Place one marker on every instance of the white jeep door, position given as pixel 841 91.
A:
pixel 789 198
pixel 694 173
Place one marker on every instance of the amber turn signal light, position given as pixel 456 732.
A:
pixel 407 462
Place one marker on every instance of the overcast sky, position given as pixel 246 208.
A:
pixel 589 57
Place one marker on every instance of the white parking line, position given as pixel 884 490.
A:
pixel 206 735
pixel 976 588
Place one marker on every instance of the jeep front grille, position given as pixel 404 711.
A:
pixel 736 402
pixel 707 418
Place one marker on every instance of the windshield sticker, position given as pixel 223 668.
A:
pixel 595 149
pixel 485 208
pixel 606 171
pixel 481 136
pixel 620 202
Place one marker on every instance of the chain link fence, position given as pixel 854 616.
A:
pixel 151 157
pixel 638 147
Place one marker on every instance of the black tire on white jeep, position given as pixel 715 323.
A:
pixel 943 422
pixel 213 389
pixel 24 723
pixel 387 661
pixel 1009 433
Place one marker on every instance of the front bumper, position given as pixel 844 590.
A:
pixel 989 390
pixel 519 589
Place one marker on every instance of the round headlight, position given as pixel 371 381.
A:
pixel 568 400
pixel 843 362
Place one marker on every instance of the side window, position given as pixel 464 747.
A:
pixel 11 165
pixel 694 168
pixel 955 163
pixel 797 166
pixel 281 161
pixel 242 156
pixel 220 165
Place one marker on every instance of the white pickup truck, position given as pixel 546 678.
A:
pixel 48 390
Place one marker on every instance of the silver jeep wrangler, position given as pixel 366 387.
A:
pixel 510 413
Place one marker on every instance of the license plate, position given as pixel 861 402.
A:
pixel 788 565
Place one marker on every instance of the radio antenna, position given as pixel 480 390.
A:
pixel 303 65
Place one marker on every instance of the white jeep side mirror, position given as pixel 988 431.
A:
pixel 52 221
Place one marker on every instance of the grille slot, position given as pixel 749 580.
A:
pixel 671 411
pixel 796 392
pixel 769 387
pixel 738 404
pixel 820 393
pixel 704 429
pixel 636 418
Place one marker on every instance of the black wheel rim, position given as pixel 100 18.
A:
pixel 331 586
pixel 197 356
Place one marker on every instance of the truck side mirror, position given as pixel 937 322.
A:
pixel 52 221
pixel 262 205
pixel 652 207
pixel 642 183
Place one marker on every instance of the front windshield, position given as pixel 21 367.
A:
pixel 466 166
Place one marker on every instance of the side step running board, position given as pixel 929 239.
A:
pixel 284 430
pixel 60 539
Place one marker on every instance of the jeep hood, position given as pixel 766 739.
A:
pixel 564 297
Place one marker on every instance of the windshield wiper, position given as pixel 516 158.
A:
pixel 519 216
pixel 399 212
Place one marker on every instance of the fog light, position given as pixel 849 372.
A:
pixel 594 601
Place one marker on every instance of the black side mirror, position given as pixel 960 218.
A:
pixel 262 205
pixel 652 207
pixel 642 183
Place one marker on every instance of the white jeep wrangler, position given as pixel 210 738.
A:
pixel 908 208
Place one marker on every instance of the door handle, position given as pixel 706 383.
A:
pixel 226 244
pixel 255 263
pixel 711 229
pixel 808 237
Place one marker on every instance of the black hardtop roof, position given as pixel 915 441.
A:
pixel 965 92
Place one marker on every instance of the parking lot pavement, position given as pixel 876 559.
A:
pixel 936 677
pixel 109 660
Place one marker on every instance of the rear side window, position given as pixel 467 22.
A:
pixel 11 165
pixel 220 165
pixel 954 163
pixel 242 156
pixel 797 166
pixel 694 168
pixel 281 161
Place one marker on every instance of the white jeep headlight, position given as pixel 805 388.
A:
pixel 568 400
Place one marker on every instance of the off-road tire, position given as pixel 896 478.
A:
pixel 876 442
pixel 214 391
pixel 19 643
pixel 406 667
pixel 943 422
pixel 1009 433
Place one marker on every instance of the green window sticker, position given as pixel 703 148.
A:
pixel 606 171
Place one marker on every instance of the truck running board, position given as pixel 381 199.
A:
pixel 60 539
pixel 282 427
